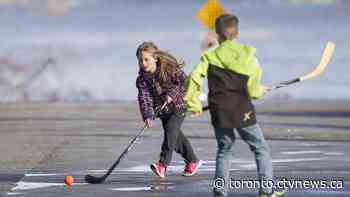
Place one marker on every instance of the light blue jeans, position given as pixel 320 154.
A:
pixel 254 137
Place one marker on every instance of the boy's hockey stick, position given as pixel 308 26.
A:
pixel 96 180
pixel 326 57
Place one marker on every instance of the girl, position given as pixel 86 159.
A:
pixel 160 80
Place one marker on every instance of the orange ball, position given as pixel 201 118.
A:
pixel 68 180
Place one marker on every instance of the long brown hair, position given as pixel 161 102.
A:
pixel 169 65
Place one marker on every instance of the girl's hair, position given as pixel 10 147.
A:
pixel 169 65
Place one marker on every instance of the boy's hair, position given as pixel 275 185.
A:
pixel 226 26
pixel 169 65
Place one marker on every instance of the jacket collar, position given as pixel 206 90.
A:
pixel 148 74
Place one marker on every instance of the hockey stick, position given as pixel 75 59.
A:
pixel 326 57
pixel 95 180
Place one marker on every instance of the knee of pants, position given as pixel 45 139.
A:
pixel 224 149
pixel 261 149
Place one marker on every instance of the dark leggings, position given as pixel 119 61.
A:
pixel 174 139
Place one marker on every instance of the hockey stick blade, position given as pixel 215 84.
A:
pixel 325 59
pixel 96 180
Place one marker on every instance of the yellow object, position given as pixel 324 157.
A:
pixel 209 12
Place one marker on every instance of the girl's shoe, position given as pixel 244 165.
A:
pixel 159 169
pixel 192 167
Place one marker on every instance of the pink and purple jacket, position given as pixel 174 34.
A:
pixel 152 94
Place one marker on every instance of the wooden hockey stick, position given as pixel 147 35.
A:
pixel 325 59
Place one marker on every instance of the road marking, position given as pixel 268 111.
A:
pixel 151 188
pixel 312 152
pixel 313 144
pixel 40 175
pixel 301 152
pixel 22 185
pixel 296 160
pixel 132 189
pixel 14 194
pixel 333 153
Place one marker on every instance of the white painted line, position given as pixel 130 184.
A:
pixel 296 160
pixel 248 166
pixel 146 168
pixel 301 152
pixel 143 168
pixel 33 185
pixel 313 144
pixel 213 162
pixel 22 185
pixel 14 194
pixel 40 175
pixel 97 171
pixel 333 153
pixel 166 183
pixel 132 189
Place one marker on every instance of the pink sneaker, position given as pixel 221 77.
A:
pixel 159 169
pixel 192 167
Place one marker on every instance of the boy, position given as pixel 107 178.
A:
pixel 234 78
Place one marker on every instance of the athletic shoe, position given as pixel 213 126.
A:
pixel 274 194
pixel 219 193
pixel 159 169
pixel 192 167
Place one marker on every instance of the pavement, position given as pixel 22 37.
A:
pixel 43 143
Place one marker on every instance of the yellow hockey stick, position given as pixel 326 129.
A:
pixel 325 59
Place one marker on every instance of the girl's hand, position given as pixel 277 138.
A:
pixel 169 99
pixel 148 123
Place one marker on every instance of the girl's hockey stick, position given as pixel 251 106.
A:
pixel 96 180
pixel 326 57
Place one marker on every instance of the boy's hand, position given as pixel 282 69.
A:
pixel 148 123
pixel 195 114
pixel 266 89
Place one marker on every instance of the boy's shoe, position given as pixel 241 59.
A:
pixel 159 169
pixel 274 194
pixel 192 167
pixel 219 193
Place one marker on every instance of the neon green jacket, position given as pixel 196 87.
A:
pixel 230 55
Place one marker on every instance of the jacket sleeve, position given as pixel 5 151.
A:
pixel 255 88
pixel 179 86
pixel 145 99
pixel 194 84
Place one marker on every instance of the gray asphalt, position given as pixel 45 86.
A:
pixel 306 160
pixel 43 144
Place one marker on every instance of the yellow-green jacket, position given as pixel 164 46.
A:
pixel 234 77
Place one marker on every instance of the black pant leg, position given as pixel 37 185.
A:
pixel 184 148
pixel 171 126
pixel 174 139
